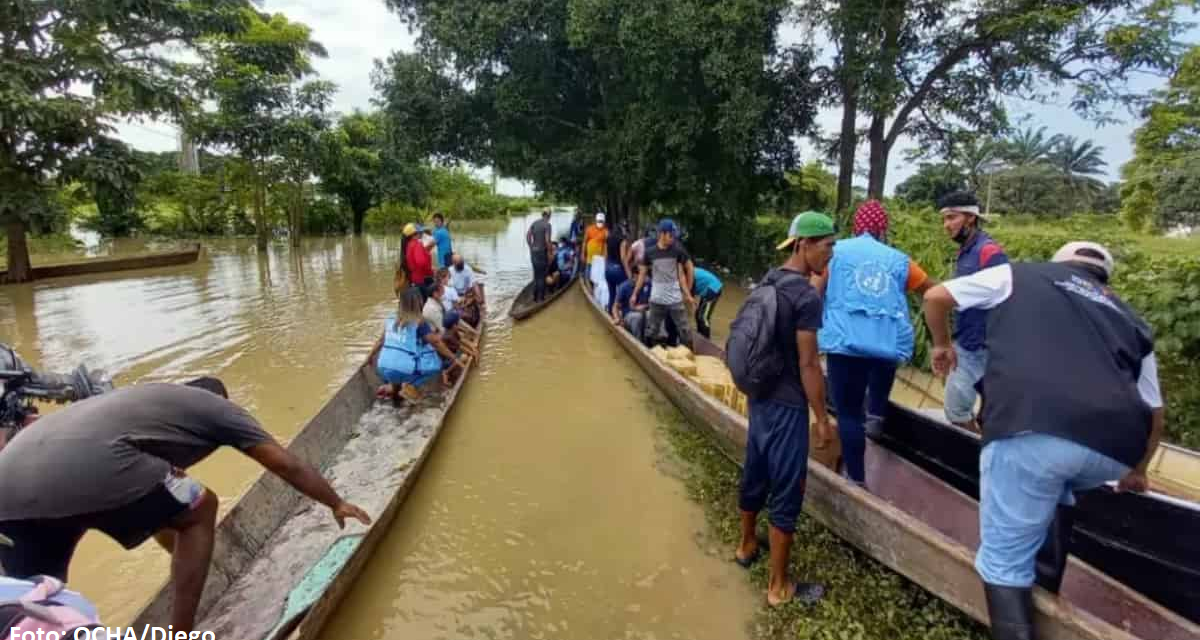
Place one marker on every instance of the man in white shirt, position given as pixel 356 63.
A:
pixel 1065 357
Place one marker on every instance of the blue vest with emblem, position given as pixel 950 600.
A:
pixel 866 313
pixel 405 354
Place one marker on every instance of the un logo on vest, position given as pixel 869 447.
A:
pixel 871 279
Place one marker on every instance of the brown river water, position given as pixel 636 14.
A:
pixel 548 508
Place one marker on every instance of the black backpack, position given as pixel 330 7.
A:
pixel 754 359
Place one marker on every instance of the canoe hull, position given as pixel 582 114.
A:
pixel 523 306
pixel 931 556
pixel 107 265
pixel 1119 533
pixel 274 526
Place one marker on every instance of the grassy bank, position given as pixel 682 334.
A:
pixel 864 599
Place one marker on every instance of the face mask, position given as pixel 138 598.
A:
pixel 458 267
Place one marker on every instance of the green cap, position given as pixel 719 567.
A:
pixel 810 224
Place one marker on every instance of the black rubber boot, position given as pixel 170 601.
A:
pixel 1052 557
pixel 1010 610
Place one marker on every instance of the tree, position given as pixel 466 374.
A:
pixel 1166 152
pixel 112 175
pixel 116 51
pixel 931 182
pixel 1079 162
pixel 933 63
pixel 620 104
pixel 350 165
pixel 261 112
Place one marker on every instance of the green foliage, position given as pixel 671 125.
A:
pixel 1162 181
pixel 112 175
pixel 118 50
pixel 350 165
pixel 931 182
pixel 454 193
pixel 612 103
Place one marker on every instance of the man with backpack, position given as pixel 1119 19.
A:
pixel 772 355
pixel 977 250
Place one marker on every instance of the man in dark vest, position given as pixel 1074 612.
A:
pixel 976 250
pixel 1072 403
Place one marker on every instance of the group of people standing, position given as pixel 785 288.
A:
pixel 646 284
pixel 1065 369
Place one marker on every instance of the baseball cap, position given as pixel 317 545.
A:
pixel 810 224
pixel 600 217
pixel 1086 252
pixel 409 229
pixel 667 225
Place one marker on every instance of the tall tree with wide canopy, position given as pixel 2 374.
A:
pixel 115 51
pixel 350 165
pixel 617 103
pixel 262 112
pixel 936 65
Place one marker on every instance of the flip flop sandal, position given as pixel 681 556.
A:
pixel 746 563
pixel 807 593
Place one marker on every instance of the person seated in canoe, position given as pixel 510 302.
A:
pixel 409 353
pixel 118 463
pixel 631 316
pixel 446 321
pixel 464 280
pixel 462 315
pixel 565 259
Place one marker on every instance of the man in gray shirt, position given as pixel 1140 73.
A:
pixel 667 263
pixel 116 462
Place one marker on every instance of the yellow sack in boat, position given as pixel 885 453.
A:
pixel 713 368
pixel 659 352
pixel 684 367
pixel 680 353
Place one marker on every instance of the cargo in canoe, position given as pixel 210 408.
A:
pixel 920 526
pixel 280 564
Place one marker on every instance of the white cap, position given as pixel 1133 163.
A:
pixel 599 217
pixel 1070 252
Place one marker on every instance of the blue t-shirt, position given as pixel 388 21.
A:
pixel 565 258
pixel 442 236
pixel 706 284
pixel 626 290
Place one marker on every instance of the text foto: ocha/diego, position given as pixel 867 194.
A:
pixel 113 633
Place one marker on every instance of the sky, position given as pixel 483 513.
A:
pixel 358 32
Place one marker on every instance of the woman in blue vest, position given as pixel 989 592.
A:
pixel 866 332
pixel 407 355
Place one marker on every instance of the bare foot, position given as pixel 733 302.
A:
pixel 802 592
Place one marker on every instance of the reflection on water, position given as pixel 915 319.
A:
pixel 542 512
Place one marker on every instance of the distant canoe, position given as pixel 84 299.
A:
pixel 106 265
pixel 524 306
pixel 280 564
pixel 920 526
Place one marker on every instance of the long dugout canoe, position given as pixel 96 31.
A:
pixel 921 527
pixel 106 265
pixel 1145 541
pixel 524 307
pixel 280 564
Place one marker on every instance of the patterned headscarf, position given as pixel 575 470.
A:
pixel 871 218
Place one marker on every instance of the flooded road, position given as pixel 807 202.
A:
pixel 547 509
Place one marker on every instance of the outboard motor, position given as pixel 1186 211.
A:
pixel 23 385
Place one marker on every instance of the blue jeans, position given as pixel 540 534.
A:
pixel 960 384
pixel 1023 478
pixel 776 465
pixel 850 378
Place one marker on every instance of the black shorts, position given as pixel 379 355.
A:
pixel 45 546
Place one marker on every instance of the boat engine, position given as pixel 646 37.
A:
pixel 23 386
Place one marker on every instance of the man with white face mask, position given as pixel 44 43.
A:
pixel 595 248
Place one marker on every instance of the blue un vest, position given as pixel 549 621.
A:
pixel 404 354
pixel 866 313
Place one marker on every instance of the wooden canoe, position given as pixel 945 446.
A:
pixel 1145 541
pixel 922 527
pixel 524 306
pixel 105 265
pixel 280 564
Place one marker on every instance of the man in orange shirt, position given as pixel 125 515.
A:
pixel 866 331
pixel 595 251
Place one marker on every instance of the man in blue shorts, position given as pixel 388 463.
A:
pixel 776 465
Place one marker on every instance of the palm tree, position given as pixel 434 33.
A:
pixel 1078 162
pixel 1028 147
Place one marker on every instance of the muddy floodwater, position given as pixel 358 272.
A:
pixel 549 507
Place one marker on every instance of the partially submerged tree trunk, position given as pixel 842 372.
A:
pixel 260 213
pixel 359 215
pixel 19 269
pixel 297 215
